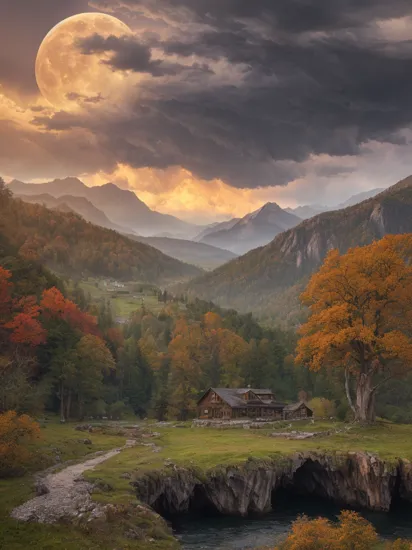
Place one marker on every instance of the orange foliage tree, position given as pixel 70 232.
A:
pixel 203 354
pixel 232 352
pixel 360 318
pixel 352 532
pixel 15 432
pixel 186 352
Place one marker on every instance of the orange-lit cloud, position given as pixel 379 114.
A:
pixel 177 191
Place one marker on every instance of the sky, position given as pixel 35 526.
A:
pixel 207 109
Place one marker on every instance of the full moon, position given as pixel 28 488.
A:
pixel 65 76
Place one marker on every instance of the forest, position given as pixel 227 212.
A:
pixel 64 353
pixel 69 245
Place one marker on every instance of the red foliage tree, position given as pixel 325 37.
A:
pixel 55 305
pixel 19 316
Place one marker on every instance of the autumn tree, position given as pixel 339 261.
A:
pixel 15 432
pixel 20 333
pixel 232 352
pixel 352 532
pixel 66 325
pixel 187 353
pixel 361 318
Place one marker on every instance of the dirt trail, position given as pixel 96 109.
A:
pixel 64 494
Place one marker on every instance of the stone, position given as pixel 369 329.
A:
pixel 41 488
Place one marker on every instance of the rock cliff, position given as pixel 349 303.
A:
pixel 359 480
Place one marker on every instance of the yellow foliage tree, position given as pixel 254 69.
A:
pixel 15 432
pixel 322 408
pixel 360 318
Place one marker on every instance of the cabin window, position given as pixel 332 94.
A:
pixel 215 398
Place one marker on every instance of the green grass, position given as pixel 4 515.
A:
pixel 206 448
pixel 63 441
pixel 203 448
pixel 123 304
pixel 56 440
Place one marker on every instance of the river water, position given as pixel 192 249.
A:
pixel 230 533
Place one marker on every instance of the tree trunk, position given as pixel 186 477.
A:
pixel 365 399
pixel 69 405
pixel 62 418
pixel 348 391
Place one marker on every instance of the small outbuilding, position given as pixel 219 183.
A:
pixel 297 411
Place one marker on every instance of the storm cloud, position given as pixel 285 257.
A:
pixel 248 91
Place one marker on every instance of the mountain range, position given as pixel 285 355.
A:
pixel 309 210
pixel 268 280
pixel 122 207
pixel 69 245
pixel 215 227
pixel 202 255
pixel 79 205
pixel 255 229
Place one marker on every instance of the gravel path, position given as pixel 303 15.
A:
pixel 65 494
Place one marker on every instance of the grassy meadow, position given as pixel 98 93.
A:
pixel 125 300
pixel 204 448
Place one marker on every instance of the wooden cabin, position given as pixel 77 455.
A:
pixel 243 403
pixel 297 411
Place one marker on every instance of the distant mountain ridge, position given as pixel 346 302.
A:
pixel 79 205
pixel 268 280
pixel 309 210
pixel 215 227
pixel 360 197
pixel 122 207
pixel 199 254
pixel 69 245
pixel 255 229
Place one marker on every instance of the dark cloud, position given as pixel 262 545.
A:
pixel 127 55
pixel 292 101
pixel 251 88
pixel 325 171
pixel 285 15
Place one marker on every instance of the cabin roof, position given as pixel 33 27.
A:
pixel 233 397
pixel 295 406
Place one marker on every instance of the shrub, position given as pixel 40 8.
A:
pixel 352 532
pixel 15 432
pixel 400 545
pixel 119 410
pixel 322 408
